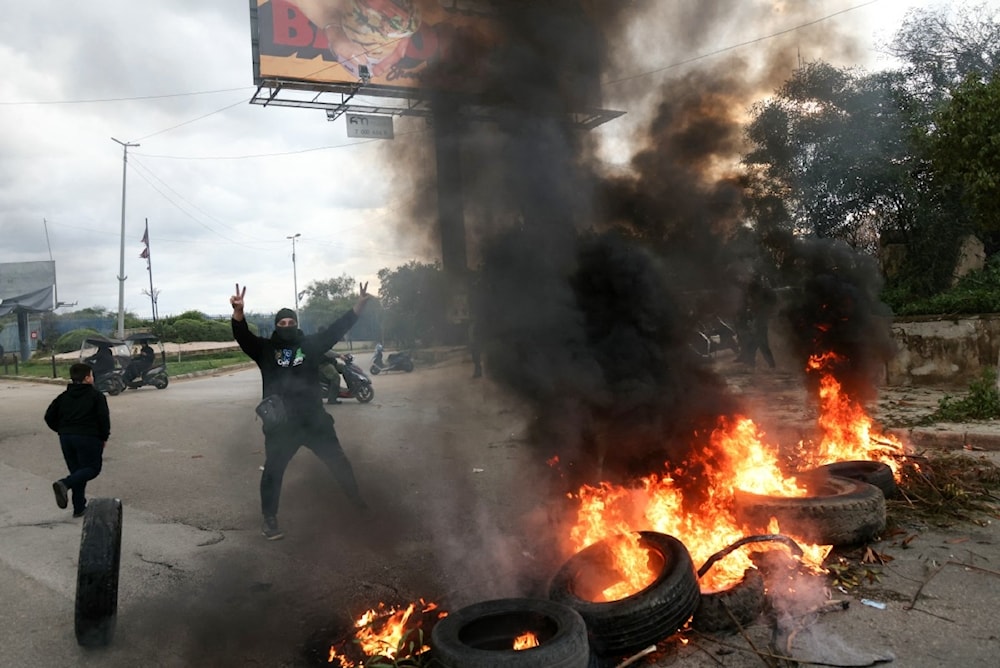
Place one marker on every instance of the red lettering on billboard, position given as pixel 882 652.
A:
pixel 291 27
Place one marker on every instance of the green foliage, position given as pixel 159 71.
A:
pixel 73 340
pixel 976 292
pixel 982 402
pixel 966 147
pixel 183 330
pixel 414 300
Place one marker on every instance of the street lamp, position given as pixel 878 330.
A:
pixel 295 278
pixel 121 271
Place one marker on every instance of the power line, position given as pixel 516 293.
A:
pixel 193 120
pixel 737 46
pixel 137 98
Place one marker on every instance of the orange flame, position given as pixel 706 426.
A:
pixel 526 640
pixel 737 458
pixel 381 631
pixel 848 432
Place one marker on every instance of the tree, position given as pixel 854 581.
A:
pixel 940 50
pixel 966 148
pixel 326 300
pixel 832 156
pixel 414 301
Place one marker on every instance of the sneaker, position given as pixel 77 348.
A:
pixel 270 529
pixel 62 493
pixel 79 513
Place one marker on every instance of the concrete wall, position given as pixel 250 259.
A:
pixel 936 351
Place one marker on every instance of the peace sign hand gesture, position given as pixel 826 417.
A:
pixel 236 301
pixel 363 298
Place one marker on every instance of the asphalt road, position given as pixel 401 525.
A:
pixel 439 456
pixel 459 515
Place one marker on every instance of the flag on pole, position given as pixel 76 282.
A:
pixel 145 241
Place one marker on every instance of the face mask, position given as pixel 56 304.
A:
pixel 287 334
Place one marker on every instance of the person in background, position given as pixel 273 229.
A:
pixel 331 369
pixel 80 416
pixel 289 364
pixel 761 302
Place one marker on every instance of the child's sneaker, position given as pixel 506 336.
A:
pixel 62 493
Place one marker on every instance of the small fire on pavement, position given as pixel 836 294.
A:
pixel 387 631
pixel 736 458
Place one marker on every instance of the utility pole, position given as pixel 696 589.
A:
pixel 121 270
pixel 295 278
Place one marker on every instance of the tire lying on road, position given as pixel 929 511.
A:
pixel 97 572
pixel 632 623
pixel 482 636
pixel 874 473
pixel 838 511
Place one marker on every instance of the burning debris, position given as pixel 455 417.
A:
pixel 387 633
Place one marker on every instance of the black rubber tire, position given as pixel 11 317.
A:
pixel 407 366
pixel 874 473
pixel 622 627
pixel 482 635
pixel 730 609
pixel 364 393
pixel 840 511
pixel 374 370
pixel 97 573
pixel 161 382
pixel 116 386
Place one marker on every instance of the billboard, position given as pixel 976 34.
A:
pixel 27 286
pixel 387 44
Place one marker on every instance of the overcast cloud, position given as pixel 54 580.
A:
pixel 223 183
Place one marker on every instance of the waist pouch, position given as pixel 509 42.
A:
pixel 272 412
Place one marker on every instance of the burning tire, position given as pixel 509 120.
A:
pixel 97 572
pixel 733 608
pixel 630 624
pixel 874 473
pixel 482 635
pixel 840 511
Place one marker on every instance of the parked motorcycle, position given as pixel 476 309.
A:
pixel 394 362
pixel 356 384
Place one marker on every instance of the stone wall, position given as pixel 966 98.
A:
pixel 933 350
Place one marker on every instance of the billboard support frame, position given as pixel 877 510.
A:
pixel 337 99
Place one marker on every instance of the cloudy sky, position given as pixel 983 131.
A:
pixel 224 183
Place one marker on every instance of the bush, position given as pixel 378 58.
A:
pixel 72 341
pixel 184 330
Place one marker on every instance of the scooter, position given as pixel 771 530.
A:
pixel 356 384
pixel 394 362
pixel 144 367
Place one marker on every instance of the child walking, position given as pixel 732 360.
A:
pixel 80 416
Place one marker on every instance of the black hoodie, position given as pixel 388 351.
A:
pixel 291 369
pixel 81 409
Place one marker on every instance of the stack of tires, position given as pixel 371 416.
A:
pixel 574 630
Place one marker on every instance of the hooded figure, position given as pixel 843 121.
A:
pixel 289 363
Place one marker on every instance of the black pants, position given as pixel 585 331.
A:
pixel 84 458
pixel 316 433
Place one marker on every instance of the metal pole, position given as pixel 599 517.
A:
pixel 121 269
pixel 295 277
pixel 149 268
